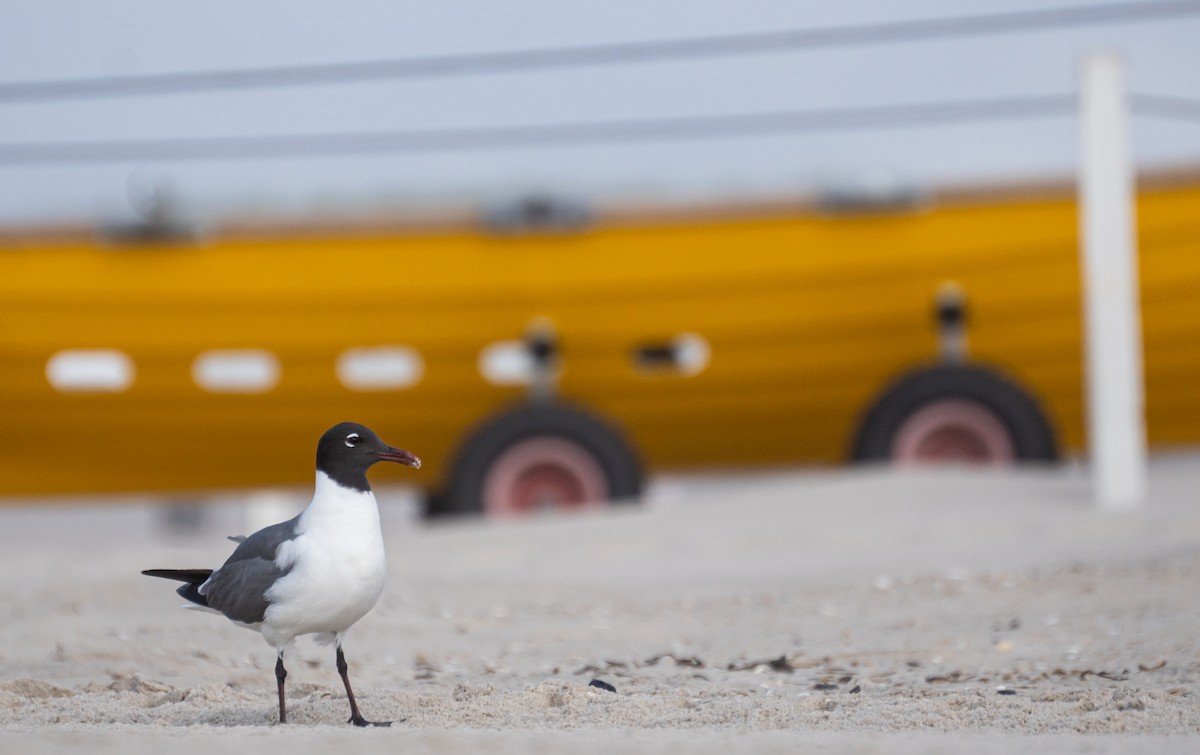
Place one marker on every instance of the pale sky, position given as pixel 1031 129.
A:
pixel 48 40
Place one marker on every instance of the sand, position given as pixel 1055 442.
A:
pixel 855 611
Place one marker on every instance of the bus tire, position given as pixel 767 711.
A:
pixel 539 456
pixel 955 413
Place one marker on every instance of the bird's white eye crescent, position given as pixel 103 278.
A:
pixel 352 440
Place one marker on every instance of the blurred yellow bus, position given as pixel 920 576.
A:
pixel 669 338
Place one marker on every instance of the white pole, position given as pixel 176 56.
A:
pixel 1115 390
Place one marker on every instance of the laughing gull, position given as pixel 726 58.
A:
pixel 315 574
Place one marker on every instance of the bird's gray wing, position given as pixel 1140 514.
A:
pixel 265 542
pixel 238 589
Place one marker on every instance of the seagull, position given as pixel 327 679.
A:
pixel 317 573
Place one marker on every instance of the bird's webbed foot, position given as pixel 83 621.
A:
pixel 358 720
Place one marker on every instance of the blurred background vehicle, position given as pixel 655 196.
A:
pixel 555 257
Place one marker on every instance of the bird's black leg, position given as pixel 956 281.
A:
pixel 280 675
pixel 355 717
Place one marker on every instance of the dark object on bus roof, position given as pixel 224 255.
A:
pixel 537 212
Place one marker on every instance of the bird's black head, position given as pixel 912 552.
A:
pixel 347 450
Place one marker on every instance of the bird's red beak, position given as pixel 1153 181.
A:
pixel 400 456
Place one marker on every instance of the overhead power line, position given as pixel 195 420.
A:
pixel 1166 106
pixel 596 55
pixel 538 135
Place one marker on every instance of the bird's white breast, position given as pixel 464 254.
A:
pixel 337 566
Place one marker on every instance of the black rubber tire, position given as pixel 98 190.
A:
pixel 601 440
pixel 1031 434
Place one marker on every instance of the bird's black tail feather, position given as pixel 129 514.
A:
pixel 192 578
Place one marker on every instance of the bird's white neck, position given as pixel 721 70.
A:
pixel 335 508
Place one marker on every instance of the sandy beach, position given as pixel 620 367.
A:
pixel 855 611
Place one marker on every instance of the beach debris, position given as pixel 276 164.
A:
pixel 616 667
pixel 423 668
pixel 1128 700
pixel 856 689
pixel 689 661
pixel 1005 691
pixel 602 685
pixel 622 667
pixel 1112 676
pixel 1061 673
pixel 824 686
pixel 781 664
pixel 1011 625
pixel 951 676
pixel 1143 667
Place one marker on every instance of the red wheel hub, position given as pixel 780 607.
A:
pixel 953 430
pixel 543 473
